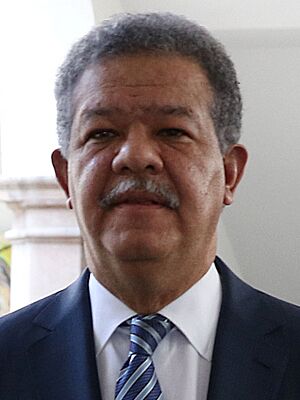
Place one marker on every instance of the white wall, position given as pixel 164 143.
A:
pixel 264 224
pixel 35 36
pixel 215 14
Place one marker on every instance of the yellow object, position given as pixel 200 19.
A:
pixel 5 257
pixel 5 251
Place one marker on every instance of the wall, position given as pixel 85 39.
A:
pixel 264 224
pixel 35 36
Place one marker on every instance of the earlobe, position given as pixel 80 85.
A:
pixel 235 161
pixel 60 165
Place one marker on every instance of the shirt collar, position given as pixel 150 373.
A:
pixel 108 312
pixel 195 313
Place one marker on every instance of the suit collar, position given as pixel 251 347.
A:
pixel 61 349
pixel 250 352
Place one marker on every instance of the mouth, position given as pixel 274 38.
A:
pixel 140 198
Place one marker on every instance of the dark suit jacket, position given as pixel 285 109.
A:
pixel 47 348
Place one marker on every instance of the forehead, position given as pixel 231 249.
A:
pixel 143 81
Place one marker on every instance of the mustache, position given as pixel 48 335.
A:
pixel 146 185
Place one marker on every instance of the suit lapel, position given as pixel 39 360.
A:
pixel 250 352
pixel 61 354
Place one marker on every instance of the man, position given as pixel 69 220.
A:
pixel 149 117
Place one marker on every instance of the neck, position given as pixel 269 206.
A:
pixel 146 286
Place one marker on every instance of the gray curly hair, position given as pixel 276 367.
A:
pixel 159 33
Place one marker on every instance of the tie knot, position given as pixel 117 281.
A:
pixel 146 331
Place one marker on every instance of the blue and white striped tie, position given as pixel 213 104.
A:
pixel 137 380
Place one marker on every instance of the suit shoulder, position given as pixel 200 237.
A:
pixel 17 322
pixel 289 307
pixel 269 307
pixel 44 314
pixel 289 311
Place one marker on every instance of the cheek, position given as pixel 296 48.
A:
pixel 196 175
pixel 88 178
pixel 200 186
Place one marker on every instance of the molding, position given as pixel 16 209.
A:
pixel 31 192
pixel 44 235
pixel 25 183
pixel 34 203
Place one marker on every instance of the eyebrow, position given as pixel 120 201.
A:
pixel 89 113
pixel 175 110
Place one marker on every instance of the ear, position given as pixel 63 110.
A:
pixel 235 161
pixel 60 165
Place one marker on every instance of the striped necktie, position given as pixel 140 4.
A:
pixel 137 380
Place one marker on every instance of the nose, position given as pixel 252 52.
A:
pixel 139 153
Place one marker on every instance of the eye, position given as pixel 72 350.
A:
pixel 172 133
pixel 102 134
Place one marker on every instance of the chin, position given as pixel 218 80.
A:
pixel 139 249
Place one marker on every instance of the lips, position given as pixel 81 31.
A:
pixel 140 198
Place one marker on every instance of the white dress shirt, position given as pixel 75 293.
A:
pixel 182 359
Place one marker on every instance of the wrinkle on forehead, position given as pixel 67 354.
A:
pixel 199 81
pixel 165 86
pixel 153 109
pixel 135 71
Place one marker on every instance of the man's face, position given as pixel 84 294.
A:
pixel 145 118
